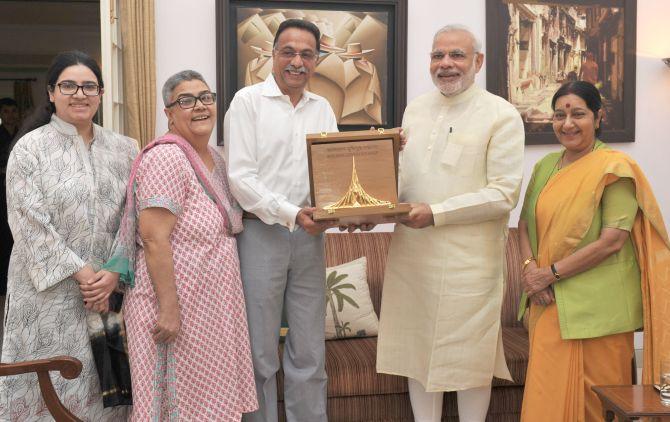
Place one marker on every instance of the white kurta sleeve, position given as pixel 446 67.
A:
pixel 504 171
pixel 246 186
pixel 49 258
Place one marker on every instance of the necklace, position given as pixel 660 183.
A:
pixel 559 163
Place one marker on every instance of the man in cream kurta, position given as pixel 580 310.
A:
pixel 461 170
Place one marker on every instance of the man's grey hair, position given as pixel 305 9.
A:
pixel 476 44
pixel 174 80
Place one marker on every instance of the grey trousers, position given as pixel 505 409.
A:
pixel 282 268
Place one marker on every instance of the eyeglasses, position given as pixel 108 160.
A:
pixel 289 54
pixel 71 88
pixel 189 101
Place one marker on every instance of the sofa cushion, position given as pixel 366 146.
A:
pixel 513 286
pixel 351 368
pixel 349 311
pixel 515 341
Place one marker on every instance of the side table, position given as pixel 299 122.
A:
pixel 630 402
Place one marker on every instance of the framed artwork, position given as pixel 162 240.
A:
pixel 361 65
pixel 535 46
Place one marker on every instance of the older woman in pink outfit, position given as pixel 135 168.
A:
pixel 185 316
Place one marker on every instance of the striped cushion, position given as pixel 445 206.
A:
pixel 350 365
pixel 513 287
pixel 515 340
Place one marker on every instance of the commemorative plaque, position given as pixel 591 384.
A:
pixel 354 176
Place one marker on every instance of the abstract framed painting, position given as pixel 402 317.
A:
pixel 361 66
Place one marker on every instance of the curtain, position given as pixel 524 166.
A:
pixel 23 94
pixel 139 69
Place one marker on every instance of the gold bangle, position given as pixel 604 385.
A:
pixel 527 261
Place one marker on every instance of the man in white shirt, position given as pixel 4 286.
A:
pixel 443 285
pixel 281 248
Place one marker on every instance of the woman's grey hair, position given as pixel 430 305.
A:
pixel 476 44
pixel 176 79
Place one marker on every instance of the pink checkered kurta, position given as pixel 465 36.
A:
pixel 206 374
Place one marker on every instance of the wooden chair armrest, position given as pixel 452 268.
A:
pixel 68 367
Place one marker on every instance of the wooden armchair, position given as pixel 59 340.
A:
pixel 69 368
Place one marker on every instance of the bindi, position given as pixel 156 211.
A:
pixel 567 105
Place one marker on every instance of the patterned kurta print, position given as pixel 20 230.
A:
pixel 65 202
pixel 206 374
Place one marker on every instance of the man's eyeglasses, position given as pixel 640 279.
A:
pixel 71 88
pixel 289 54
pixel 189 101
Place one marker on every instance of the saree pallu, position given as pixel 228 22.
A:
pixel 561 372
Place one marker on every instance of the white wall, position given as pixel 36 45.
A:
pixel 196 49
pixel 178 49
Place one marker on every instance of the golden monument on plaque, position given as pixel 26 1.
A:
pixel 356 197
pixel 341 164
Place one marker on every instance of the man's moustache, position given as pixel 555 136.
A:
pixel 301 69
pixel 448 74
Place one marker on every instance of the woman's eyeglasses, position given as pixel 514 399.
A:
pixel 189 101
pixel 71 88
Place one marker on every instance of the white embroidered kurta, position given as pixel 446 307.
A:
pixel 65 203
pixel 443 287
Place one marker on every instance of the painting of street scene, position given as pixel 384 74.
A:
pixel 351 71
pixel 550 43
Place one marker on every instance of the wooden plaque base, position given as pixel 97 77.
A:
pixel 364 215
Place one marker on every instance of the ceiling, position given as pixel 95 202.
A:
pixel 32 32
pixel 50 13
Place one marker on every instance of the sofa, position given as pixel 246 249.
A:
pixel 357 393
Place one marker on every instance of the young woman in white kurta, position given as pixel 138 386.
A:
pixel 66 185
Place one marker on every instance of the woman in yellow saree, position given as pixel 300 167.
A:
pixel 597 267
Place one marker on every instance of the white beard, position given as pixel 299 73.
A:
pixel 449 89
